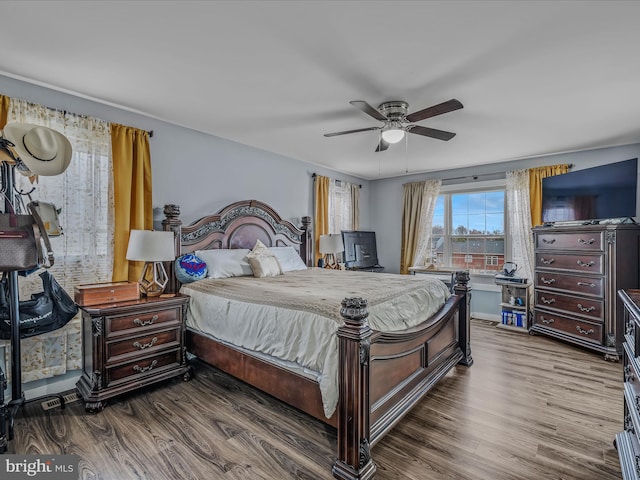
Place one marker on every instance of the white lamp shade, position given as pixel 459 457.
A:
pixel 331 243
pixel 392 135
pixel 151 246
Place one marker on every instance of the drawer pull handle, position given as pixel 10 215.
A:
pixel 549 240
pixel 140 369
pixel 547 262
pixel 587 242
pixel 548 302
pixel 142 346
pixel 583 331
pixel 587 265
pixel 144 323
pixel 586 309
pixel 547 282
pixel 547 321
pixel 585 284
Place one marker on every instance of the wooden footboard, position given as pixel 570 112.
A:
pixel 382 375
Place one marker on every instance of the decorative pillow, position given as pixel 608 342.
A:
pixel 263 262
pixel 224 263
pixel 265 266
pixel 190 268
pixel 288 258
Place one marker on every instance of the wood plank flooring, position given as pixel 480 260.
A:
pixel 530 408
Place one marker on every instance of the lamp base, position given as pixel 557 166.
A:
pixel 330 262
pixel 153 279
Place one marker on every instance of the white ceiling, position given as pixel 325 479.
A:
pixel 535 77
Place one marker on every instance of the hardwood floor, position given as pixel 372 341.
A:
pixel 529 408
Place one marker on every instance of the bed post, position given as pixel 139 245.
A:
pixel 172 223
pixel 354 455
pixel 464 316
pixel 306 252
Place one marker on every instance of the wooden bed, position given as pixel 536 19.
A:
pixel 381 374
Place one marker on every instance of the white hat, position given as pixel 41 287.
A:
pixel 43 150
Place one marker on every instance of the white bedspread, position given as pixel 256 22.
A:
pixel 294 317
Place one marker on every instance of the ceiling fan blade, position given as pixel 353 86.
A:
pixel 382 146
pixel 431 132
pixel 444 107
pixel 368 109
pixel 351 131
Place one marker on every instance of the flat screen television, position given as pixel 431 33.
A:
pixel 592 194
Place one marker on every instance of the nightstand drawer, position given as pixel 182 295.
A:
pixel 143 344
pixel 142 367
pixel 120 325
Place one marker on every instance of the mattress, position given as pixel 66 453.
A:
pixel 293 318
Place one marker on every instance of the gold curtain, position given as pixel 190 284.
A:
pixel 412 198
pixel 535 188
pixel 131 195
pixel 322 213
pixel 4 110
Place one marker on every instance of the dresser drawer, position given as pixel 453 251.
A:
pixel 572 283
pixel 591 308
pixel 142 344
pixel 584 263
pixel 121 325
pixel 591 241
pixel 138 368
pixel 584 330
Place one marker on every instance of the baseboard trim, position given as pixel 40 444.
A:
pixel 486 316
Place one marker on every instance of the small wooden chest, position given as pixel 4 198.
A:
pixel 104 293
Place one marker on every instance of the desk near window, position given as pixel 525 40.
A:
pixel 447 275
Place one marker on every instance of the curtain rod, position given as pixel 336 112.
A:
pixel 315 175
pixel 150 132
pixel 477 176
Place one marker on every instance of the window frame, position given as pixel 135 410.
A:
pixel 476 187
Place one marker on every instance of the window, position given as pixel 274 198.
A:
pixel 341 206
pixel 468 231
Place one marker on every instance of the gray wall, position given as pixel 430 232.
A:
pixel 203 173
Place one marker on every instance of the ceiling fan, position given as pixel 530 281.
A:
pixel 395 118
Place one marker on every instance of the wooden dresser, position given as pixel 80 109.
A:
pixel 628 441
pixel 128 345
pixel 578 272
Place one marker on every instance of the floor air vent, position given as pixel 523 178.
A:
pixel 54 402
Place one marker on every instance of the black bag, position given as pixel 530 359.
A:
pixel 46 311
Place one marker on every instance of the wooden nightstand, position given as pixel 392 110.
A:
pixel 128 345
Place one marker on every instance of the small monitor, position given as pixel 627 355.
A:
pixel 359 248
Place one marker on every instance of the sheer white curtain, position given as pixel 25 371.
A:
pixel 429 199
pixel 343 206
pixel 519 214
pixel 83 254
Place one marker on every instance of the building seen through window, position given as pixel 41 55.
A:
pixel 468 231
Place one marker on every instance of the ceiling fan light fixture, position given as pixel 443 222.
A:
pixel 392 134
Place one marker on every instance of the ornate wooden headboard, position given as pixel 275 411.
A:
pixel 238 225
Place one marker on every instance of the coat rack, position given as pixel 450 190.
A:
pixel 9 410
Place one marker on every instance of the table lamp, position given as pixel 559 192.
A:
pixel 330 245
pixel 152 248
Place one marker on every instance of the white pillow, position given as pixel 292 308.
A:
pixel 224 263
pixel 263 262
pixel 288 258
